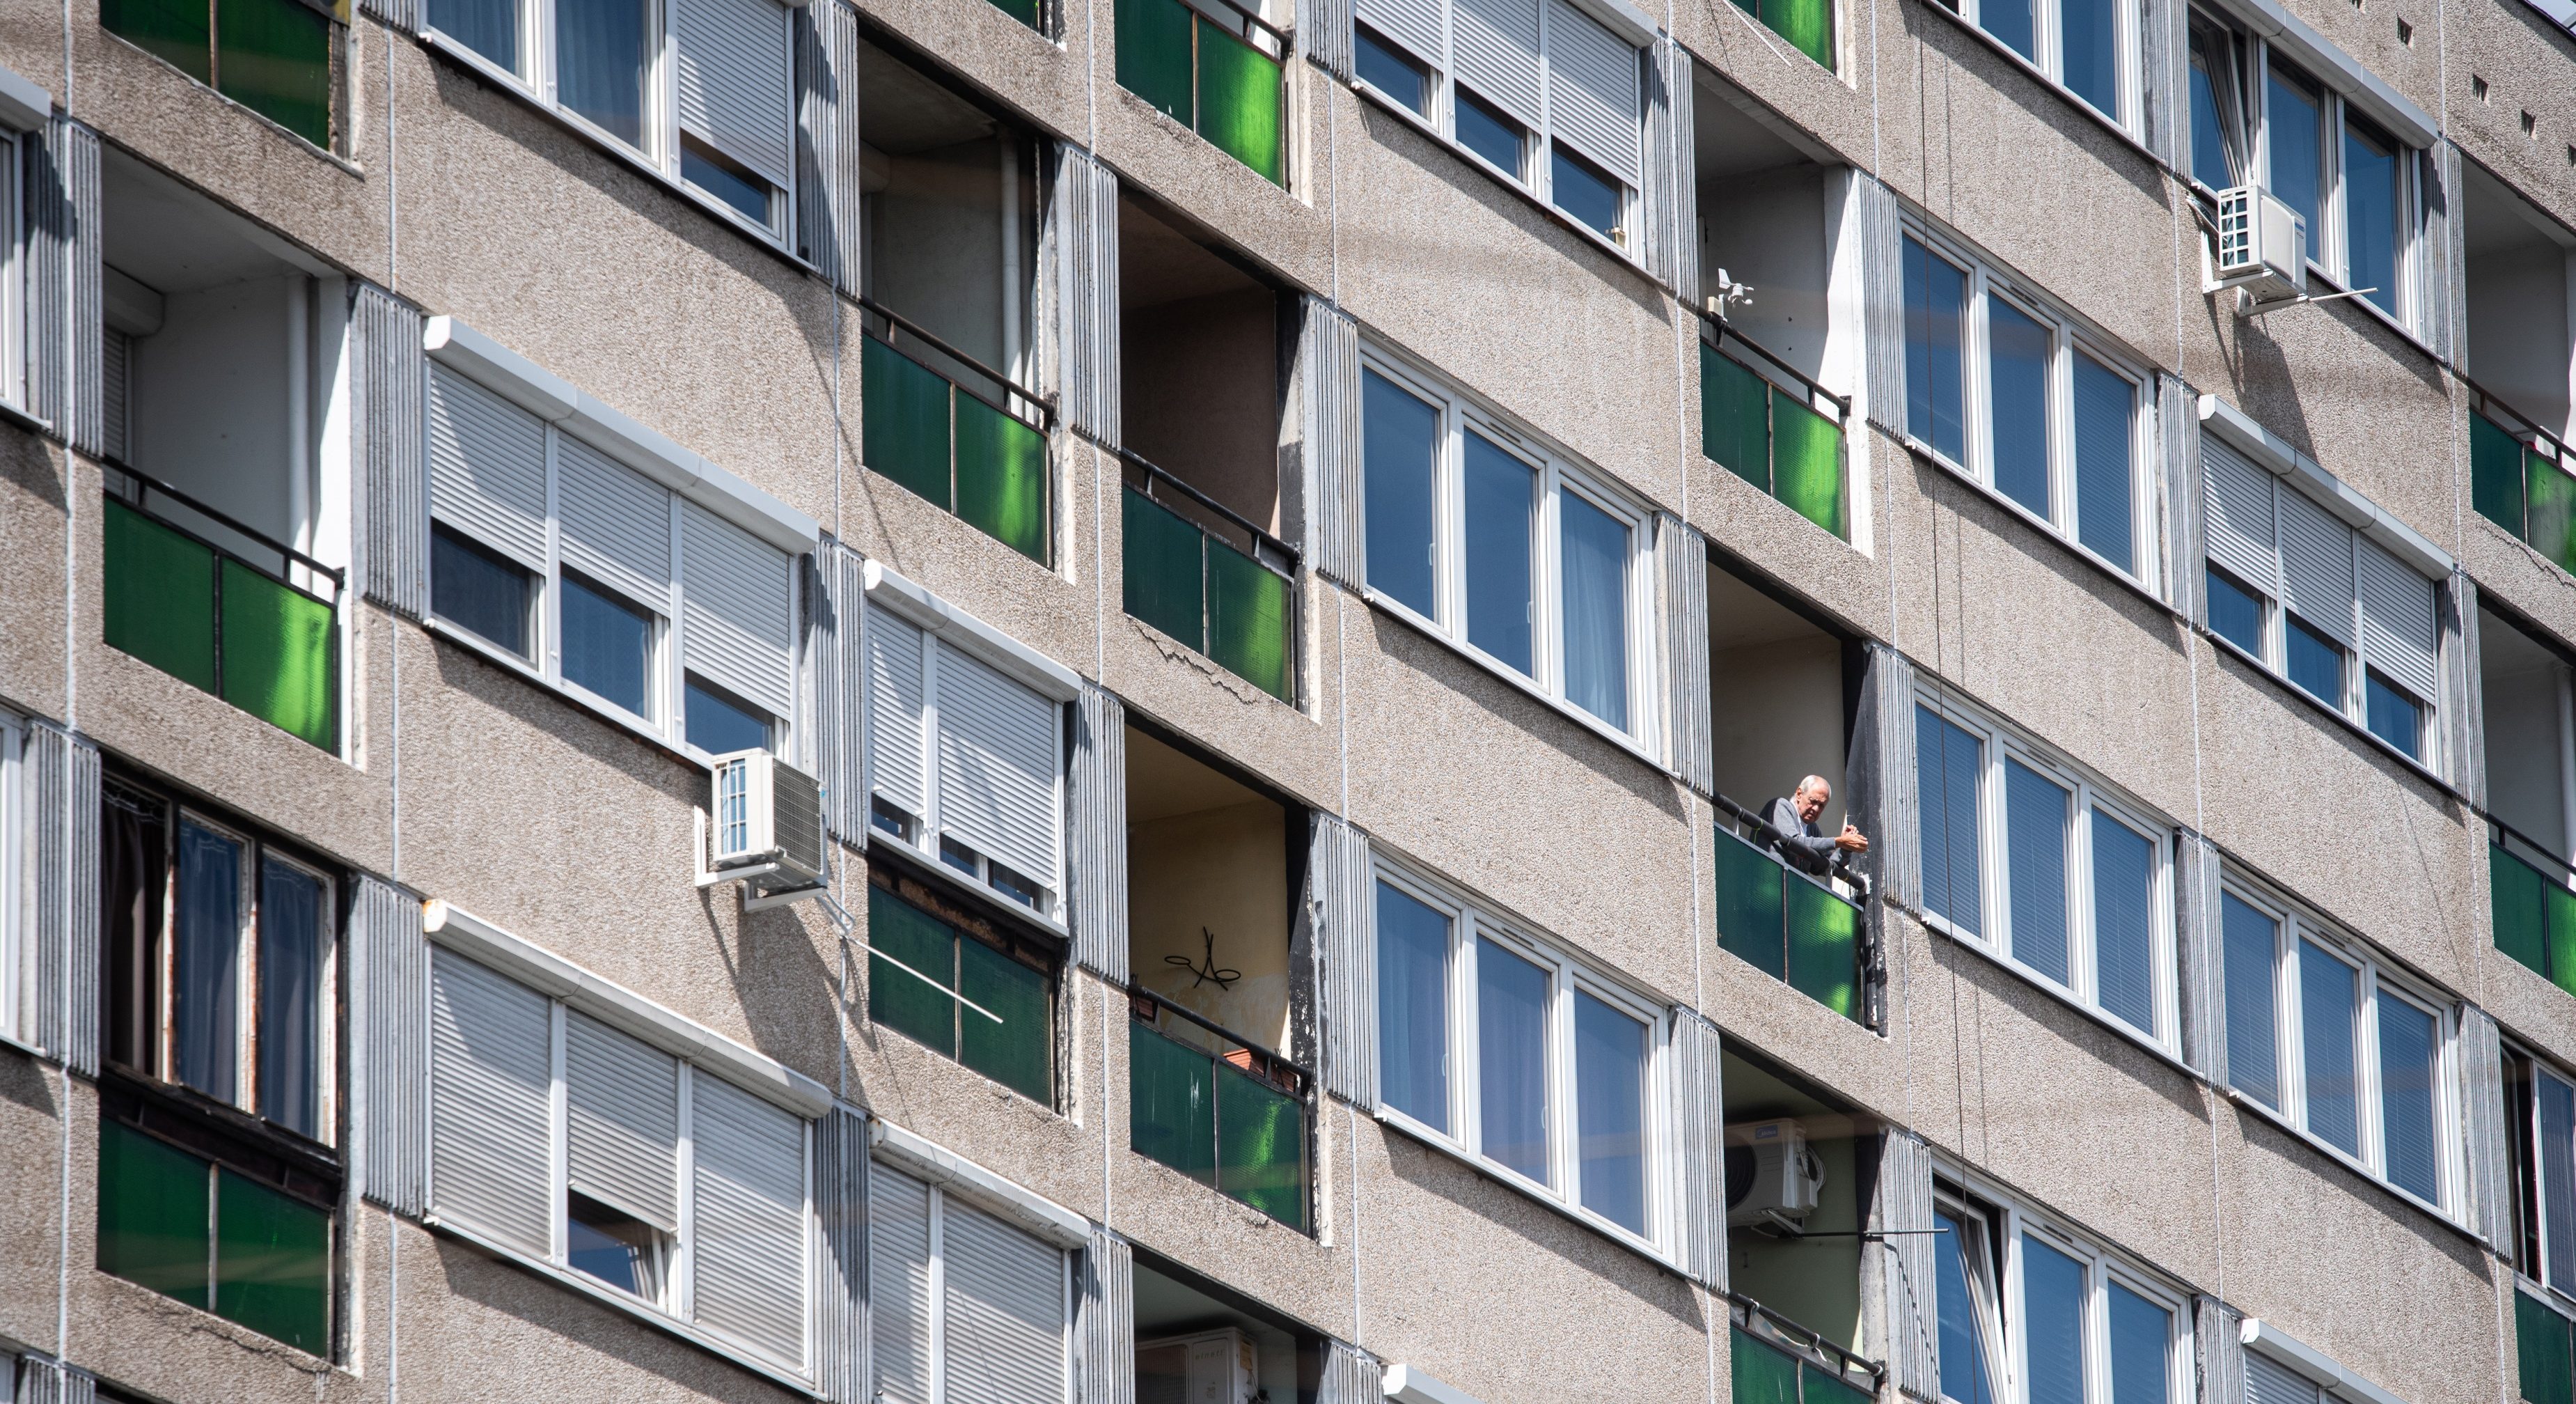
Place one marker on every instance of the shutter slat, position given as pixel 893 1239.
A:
pixel 836 653
pixel 622 1107
pixel 2397 632
pixel 2267 1381
pixel 1700 1115
pixel 749 1247
pixel 614 524
pixel 997 765
pixel 391 967
pixel 898 767
pixel 841 1255
pixel 386 377
pixel 487 467
pixel 1341 900
pixel 899 1284
pixel 1592 90
pixel 1004 1310
pixel 736 75
pixel 491 1104
pixel 735 610
pixel 1415 24
pixel 2316 566
pixel 1098 872
pixel 2238 498
pixel 1496 46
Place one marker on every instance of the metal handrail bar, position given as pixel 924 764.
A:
pixel 1805 1337
pixel 1046 411
pixel 1304 1076
pixel 2506 830
pixel 1766 835
pixel 2557 448
pixel 338 577
pixel 1260 538
pixel 1724 331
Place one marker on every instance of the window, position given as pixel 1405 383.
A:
pixel 2090 1331
pixel 2037 864
pixel 2338 615
pixel 702 91
pixel 2336 1045
pixel 1963 1264
pixel 961 986
pixel 1513 1054
pixel 1542 91
pixel 963 1304
pixel 574 1144
pixel 274 57
pixel 1493 542
pixel 2024 401
pixel 2541 1131
pixel 2087 46
pixel 602 581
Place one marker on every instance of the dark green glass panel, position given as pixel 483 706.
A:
pixel 1017 1051
pixel 2543 1343
pixel 178 31
pixel 1248 619
pixel 1171 1102
pixel 272 1263
pixel 915 1003
pixel 2513 892
pixel 1748 904
pixel 1162 569
pixel 2552 507
pixel 2495 473
pixel 905 436
pixel 2558 927
pixel 160 596
pixel 1002 477
pixel 151 1213
pixel 274 57
pixel 1824 932
pixel 1807 461
pixel 1733 431
pixel 1763 1375
pixel 1261 1145
pixel 1824 1388
pixel 1154 54
pixel 1239 106
pixel 1025 11
pixel 278 655
pixel 1807 24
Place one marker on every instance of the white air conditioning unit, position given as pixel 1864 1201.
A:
pixel 768 823
pixel 1210 1367
pixel 1772 1179
pixel 2262 245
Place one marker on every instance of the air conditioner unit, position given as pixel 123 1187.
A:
pixel 1210 1367
pixel 2262 245
pixel 1772 1179
pixel 768 822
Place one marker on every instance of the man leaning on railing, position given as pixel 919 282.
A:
pixel 1800 843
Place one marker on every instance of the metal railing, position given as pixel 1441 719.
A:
pixel 1771 424
pixel 978 452
pixel 1792 926
pixel 1220 1108
pixel 1215 66
pixel 1779 1361
pixel 1236 604
pixel 2531 895
pixel 2521 477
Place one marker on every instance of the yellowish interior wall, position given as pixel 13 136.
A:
pixel 1224 870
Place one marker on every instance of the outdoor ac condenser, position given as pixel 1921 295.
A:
pixel 2262 244
pixel 766 812
pixel 1772 1179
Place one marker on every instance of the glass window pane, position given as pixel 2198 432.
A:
pixel 154 1215
pixel 2290 122
pixel 1593 555
pixel 1948 760
pixel 716 724
pixel 2089 49
pixel 1610 1111
pixel 1936 319
pixel 1391 71
pixel 133 839
pixel 1502 516
pixel 1014 1043
pixel 2371 216
pixel 2052 1299
pixel 2217 126
pixel 723 177
pixel 2010 21
pixel 1483 129
pixel 601 62
pixel 912 971
pixel 488 27
pixel 613 1246
pixel 294 944
pixel 480 590
pixel 206 1019
pixel 2018 399
pixel 1584 191
pixel 1412 1006
pixel 2393 716
pixel 272 1263
pixel 607 646
pixel 2124 897
pixel 2235 613
pixel 2035 820
pixel 2329 990
pixel 2141 1349
pixel 1963 1319
pixel 2251 945
pixel 1511 1058
pixel 2315 662
pixel 2104 472
pixel 2557 1116
pixel 1401 443
pixel 2409 1059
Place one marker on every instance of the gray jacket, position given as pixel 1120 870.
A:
pixel 1801 844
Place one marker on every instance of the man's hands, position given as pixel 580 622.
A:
pixel 1851 840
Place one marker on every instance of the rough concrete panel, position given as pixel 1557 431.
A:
pixel 1748 523
pixel 1282 229
pixel 1833 108
pixel 2516 577
pixel 31 590
pixel 1044 80
pixel 2523 59
pixel 31 1190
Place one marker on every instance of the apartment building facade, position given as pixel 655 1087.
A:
pixel 1013 700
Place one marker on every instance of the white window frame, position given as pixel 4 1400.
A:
pixel 1468 923
pixel 2007 1333
pixel 13 270
pixel 2048 37
pixel 1985 1291
pixel 2081 988
pixel 2561 1296
pixel 1558 474
pixel 2067 337
pixel 18 984
pixel 2294 925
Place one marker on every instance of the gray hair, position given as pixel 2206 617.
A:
pixel 1816 782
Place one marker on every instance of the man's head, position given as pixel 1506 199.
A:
pixel 1811 797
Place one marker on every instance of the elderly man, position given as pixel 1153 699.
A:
pixel 1801 843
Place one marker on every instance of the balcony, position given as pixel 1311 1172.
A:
pixel 2521 478
pixel 1219 70
pixel 1808 25
pixel 1217 1107
pixel 1778 1361
pixel 2532 897
pixel 1235 604
pixel 974 442
pixel 1765 422
pixel 1790 926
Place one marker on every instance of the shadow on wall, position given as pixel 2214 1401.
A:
pixel 2042 104
pixel 1988 980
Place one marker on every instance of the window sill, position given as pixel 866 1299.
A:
pixel 2228 648
pixel 1413 1130
pixel 1519 681
pixel 615 716
pixel 2045 527
pixel 12 414
pixel 2244 1103
pixel 2162 1052
pixel 618 1301
pixel 2068 95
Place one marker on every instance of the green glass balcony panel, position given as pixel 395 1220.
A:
pixel 2495 473
pixel 278 656
pixel 2550 502
pixel 1764 1374
pixel 2521 922
pixel 159 599
pixel 1734 428
pixel 1239 102
pixel 905 434
pixel 1154 60
pixel 1015 1051
pixel 1025 11
pixel 1749 905
pixel 2558 929
pixel 1171 1102
pixel 152 1213
pixel 272 1263
pixel 274 57
pixel 1165 577
pixel 1824 935
pixel 2545 1346
pixel 1248 614
pixel 1808 25
pixel 1825 1388
pixel 179 32
pixel 1002 477
pixel 1261 1145
pixel 915 1002
pixel 1807 461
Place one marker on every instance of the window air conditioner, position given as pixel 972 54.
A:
pixel 768 822
pixel 1772 1179
pixel 2262 245
pixel 1209 1367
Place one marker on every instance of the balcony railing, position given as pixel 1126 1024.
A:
pixel 1217 1107
pixel 1808 25
pixel 214 618
pixel 2520 478
pixel 1236 604
pixel 1763 421
pixel 1224 79
pixel 2532 897
pixel 1778 1361
pixel 1791 926
pixel 978 452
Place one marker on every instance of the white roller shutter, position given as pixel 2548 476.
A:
pixel 2238 497
pixel 1418 25
pixel 749 1218
pixel 2316 566
pixel 735 610
pixel 898 748
pixel 1005 1310
pixel 1496 48
pixel 622 1109
pixel 2397 629
pixel 487 468
pixel 997 765
pixel 491 1113
pixel 2267 1381
pixel 737 75
pixel 899 1284
pixel 614 523
pixel 1592 90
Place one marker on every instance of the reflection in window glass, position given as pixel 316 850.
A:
pixel 2012 22
pixel 2290 113
pixel 2235 613
pixel 2035 859
pixel 607 645
pixel 1390 70
pixel 601 63
pixel 2124 888
pixel 2394 717
pixel 2141 1354
pixel 2409 1061
pixel 1511 1059
pixel 717 724
pixel 1961 1309
pixel 480 590
pixel 2329 992
pixel 1401 445
pixel 1483 129
pixel 488 27
pixel 2052 1300
pixel 2018 389
pixel 2370 191
pixel 1412 1006
pixel 292 950
pixel 1610 1109
pixel 2089 45
pixel 1936 316
pixel 1947 760
pixel 1594 552
pixel 725 178
pixel 2251 941
pixel 2217 121
pixel 2104 443
pixel 1502 515
pixel 2315 662
pixel 205 1015
pixel 1582 190
pixel 613 1246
